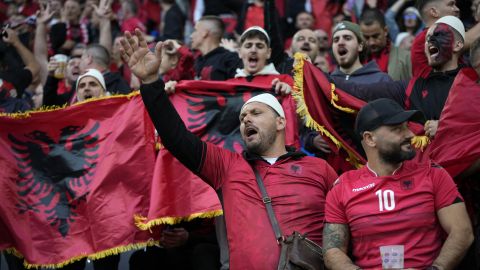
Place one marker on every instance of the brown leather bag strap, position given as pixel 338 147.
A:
pixel 268 205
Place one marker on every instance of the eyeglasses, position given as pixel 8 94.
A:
pixel 410 16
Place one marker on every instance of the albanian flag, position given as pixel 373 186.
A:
pixel 457 142
pixel 72 179
pixel 211 110
pixel 332 113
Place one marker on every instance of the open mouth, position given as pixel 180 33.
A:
pixel 306 48
pixel 88 96
pixel 250 131
pixel 342 51
pixel 252 61
pixel 433 51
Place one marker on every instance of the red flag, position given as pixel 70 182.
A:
pixel 211 110
pixel 332 113
pixel 457 142
pixel 71 180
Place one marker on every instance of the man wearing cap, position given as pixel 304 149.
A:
pixel 297 184
pixel 390 59
pixel 255 51
pixel 393 201
pixel 348 49
pixel 428 94
pixel 90 85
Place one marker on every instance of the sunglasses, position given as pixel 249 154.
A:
pixel 409 17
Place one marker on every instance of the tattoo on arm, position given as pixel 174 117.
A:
pixel 335 236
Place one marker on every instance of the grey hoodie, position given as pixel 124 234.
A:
pixel 369 73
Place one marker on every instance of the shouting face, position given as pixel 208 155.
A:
pixel 259 125
pixel 306 42
pixel 346 48
pixel 439 44
pixel 254 53
pixel 89 87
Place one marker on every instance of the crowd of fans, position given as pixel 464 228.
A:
pixel 57 52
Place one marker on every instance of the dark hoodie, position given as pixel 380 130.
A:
pixel 115 83
pixel 369 73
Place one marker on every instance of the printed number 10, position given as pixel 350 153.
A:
pixel 386 199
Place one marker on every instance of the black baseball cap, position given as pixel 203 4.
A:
pixel 384 112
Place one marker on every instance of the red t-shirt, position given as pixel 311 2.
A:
pixel 297 186
pixel 393 210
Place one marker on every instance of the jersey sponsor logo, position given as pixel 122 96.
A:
pixel 407 184
pixel 369 186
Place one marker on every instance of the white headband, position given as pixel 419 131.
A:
pixel 269 100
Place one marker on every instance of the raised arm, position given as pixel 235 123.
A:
pixel 335 246
pixel 184 145
pixel 27 56
pixel 40 49
pixel 390 15
pixel 104 12
pixel 454 220
pixel 272 27
pixel 472 34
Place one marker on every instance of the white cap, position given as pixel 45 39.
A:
pixel 258 28
pixel 95 74
pixel 269 100
pixel 453 22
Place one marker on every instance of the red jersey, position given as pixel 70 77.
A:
pixel 296 183
pixel 393 210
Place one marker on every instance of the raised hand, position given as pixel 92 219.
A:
pixel 11 37
pixel 142 62
pixel 103 10
pixel 431 127
pixel 44 15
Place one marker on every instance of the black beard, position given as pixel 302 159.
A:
pixel 262 146
pixel 395 155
